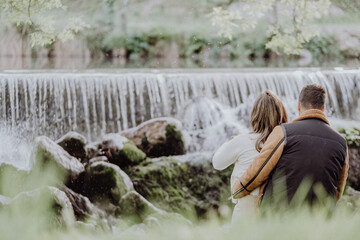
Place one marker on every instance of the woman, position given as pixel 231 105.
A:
pixel 267 113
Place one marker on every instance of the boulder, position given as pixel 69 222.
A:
pixel 82 206
pixel 354 167
pixel 182 187
pixel 92 150
pixel 12 180
pixel 48 152
pixel 98 159
pixel 79 184
pixel 120 151
pixel 134 205
pixel 106 182
pixel 75 144
pixel 41 198
pixel 352 136
pixel 158 137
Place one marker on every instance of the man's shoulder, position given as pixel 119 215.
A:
pixel 314 127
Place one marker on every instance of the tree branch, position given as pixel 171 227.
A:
pixel 29 12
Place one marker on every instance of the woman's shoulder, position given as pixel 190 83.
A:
pixel 229 151
pixel 246 137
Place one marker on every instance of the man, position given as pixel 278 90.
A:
pixel 307 149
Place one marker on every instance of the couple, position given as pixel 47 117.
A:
pixel 277 153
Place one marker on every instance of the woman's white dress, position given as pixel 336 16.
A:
pixel 240 151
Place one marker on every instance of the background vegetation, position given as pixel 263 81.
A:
pixel 170 33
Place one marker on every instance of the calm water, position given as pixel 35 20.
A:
pixel 118 63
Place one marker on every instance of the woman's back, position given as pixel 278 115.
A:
pixel 239 150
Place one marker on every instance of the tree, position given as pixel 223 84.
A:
pixel 348 5
pixel 40 19
pixel 290 28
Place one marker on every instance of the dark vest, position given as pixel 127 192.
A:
pixel 314 155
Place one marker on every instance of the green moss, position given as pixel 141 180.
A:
pixel 162 183
pixel 173 143
pixel 181 187
pixel 132 154
pixel 144 141
pixel 129 155
pixel 106 183
pixel 11 175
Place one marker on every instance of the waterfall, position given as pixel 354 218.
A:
pixel 95 103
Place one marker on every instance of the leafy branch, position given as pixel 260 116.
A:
pixel 286 36
pixel 38 19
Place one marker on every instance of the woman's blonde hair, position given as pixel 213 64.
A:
pixel 267 113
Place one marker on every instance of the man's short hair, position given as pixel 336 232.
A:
pixel 312 96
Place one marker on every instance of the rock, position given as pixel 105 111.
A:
pixel 62 215
pixel 12 179
pixel 74 143
pixel 352 136
pixel 48 151
pixel 82 206
pixel 79 184
pixel 133 205
pixel 98 159
pixel 120 151
pixel 158 137
pixel 163 183
pixel 92 150
pixel 354 167
pixel 87 227
pixel 182 187
pixel 106 182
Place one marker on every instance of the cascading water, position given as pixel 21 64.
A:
pixel 212 106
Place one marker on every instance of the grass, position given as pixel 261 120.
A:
pixel 33 220
pixel 292 225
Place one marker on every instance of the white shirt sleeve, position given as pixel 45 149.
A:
pixel 229 152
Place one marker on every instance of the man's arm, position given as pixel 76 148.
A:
pixel 342 178
pixel 260 169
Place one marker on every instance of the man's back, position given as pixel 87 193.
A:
pixel 305 149
pixel 312 151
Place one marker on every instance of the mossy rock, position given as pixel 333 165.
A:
pixel 162 182
pixel 136 208
pixel 51 200
pixel 106 182
pixel 158 137
pixel 50 154
pixel 131 155
pixel 173 143
pixel 352 136
pixel 12 179
pixel 75 144
pixel 120 151
pixel 182 187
